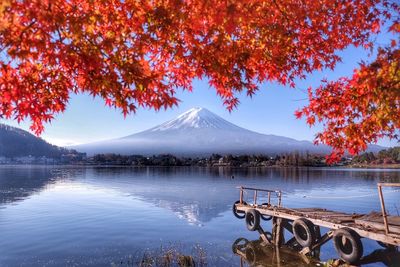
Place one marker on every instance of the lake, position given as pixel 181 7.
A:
pixel 84 216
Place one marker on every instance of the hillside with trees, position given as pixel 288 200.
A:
pixel 16 142
pixel 384 157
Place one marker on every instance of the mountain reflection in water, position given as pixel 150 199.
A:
pixel 178 191
pixel 66 216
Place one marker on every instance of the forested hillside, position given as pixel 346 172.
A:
pixel 15 142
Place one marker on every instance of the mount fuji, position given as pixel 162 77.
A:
pixel 199 132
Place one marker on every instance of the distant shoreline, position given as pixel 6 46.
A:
pixel 353 166
pixel 374 166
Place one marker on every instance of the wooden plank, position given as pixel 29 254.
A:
pixel 339 215
pixel 321 241
pixel 310 209
pixel 340 220
pixel 287 226
pixel 389 184
pixel 328 214
pixel 377 235
pixel 258 189
pixel 377 217
pixel 323 213
pixel 263 236
pixel 378 226
pixel 392 220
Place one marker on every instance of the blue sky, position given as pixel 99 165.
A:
pixel 270 111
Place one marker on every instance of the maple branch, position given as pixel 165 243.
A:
pixel 20 35
pixel 280 10
pixel 59 34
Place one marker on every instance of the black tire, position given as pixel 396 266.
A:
pixel 265 217
pixel 252 220
pixel 251 254
pixel 238 213
pixel 348 245
pixel 304 232
pixel 239 244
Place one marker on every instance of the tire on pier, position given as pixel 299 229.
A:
pixel 304 232
pixel 265 217
pixel 238 214
pixel 252 219
pixel 348 245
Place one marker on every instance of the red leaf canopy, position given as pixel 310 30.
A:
pixel 138 53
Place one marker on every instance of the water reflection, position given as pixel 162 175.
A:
pixel 288 174
pixel 60 216
pixel 197 195
pixel 16 184
pixel 388 257
pixel 257 253
pixel 20 182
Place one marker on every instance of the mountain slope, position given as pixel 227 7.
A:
pixel 196 118
pixel 16 142
pixel 199 132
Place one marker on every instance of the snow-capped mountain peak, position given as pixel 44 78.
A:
pixel 196 118
pixel 198 131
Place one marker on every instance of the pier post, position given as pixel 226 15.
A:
pixel 384 215
pixel 277 231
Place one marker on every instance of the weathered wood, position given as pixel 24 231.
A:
pixel 378 225
pixel 277 232
pixel 392 220
pixel 389 184
pixel 321 213
pixel 291 215
pixel 383 208
pixel 291 242
pixel 263 236
pixel 279 198
pixel 325 238
pixel 258 189
pixel 316 252
pixel 287 226
pixel 311 209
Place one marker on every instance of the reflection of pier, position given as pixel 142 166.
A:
pixel 346 230
pixel 258 253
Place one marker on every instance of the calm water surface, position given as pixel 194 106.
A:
pixel 62 216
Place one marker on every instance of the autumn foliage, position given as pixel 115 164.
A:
pixel 359 110
pixel 138 53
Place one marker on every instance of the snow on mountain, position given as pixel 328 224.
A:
pixel 199 132
pixel 196 118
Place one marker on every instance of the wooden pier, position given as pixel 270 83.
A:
pixel 345 229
